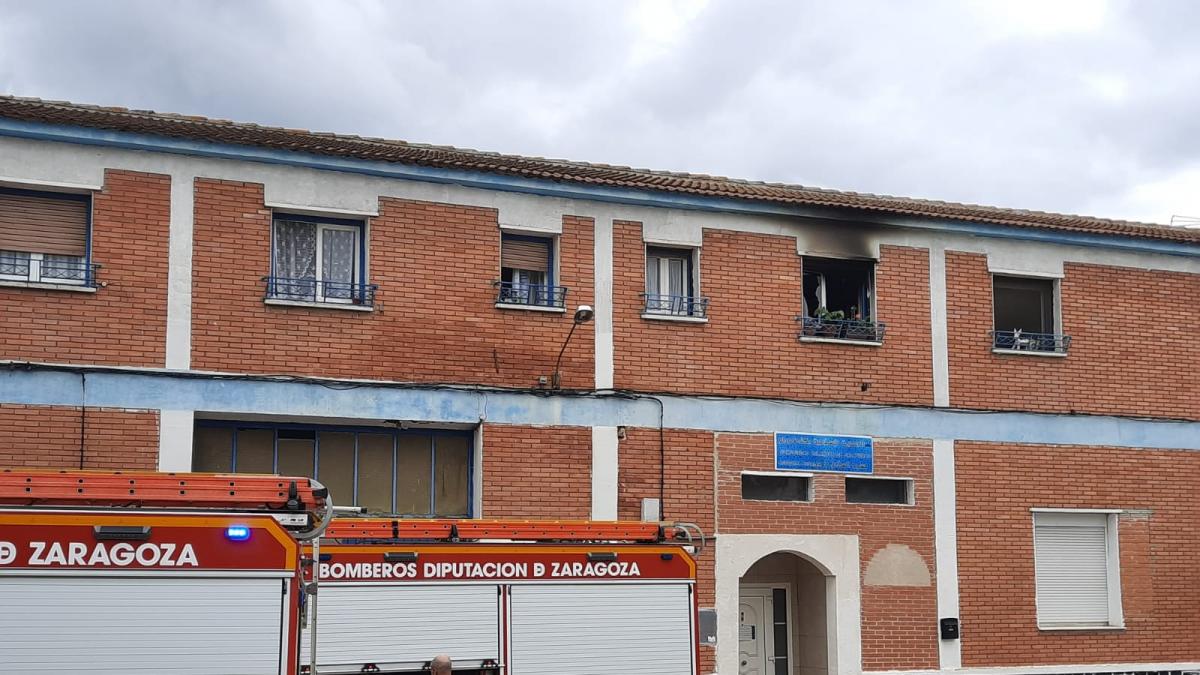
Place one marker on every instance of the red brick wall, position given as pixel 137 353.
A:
pixel 899 624
pixel 688 495
pixel 48 436
pixel 435 318
pixel 122 323
pixel 537 472
pixel 749 345
pixel 998 485
pixel 1132 350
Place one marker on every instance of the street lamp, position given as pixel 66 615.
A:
pixel 582 315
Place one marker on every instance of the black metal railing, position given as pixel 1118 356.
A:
pixel 676 305
pixel 1019 340
pixel 27 268
pixel 312 290
pixel 841 329
pixel 537 295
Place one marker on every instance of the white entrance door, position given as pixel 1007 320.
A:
pixel 752 639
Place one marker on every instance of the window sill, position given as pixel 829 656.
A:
pixel 531 308
pixel 1079 628
pixel 681 318
pixel 317 305
pixel 42 285
pixel 841 341
pixel 1030 352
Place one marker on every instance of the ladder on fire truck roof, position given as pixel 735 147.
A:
pixel 277 495
pixel 455 530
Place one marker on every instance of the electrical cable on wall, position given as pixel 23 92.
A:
pixel 82 416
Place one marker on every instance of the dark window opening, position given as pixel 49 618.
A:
pixel 838 289
pixel 1023 315
pixel 1023 304
pixel 779 620
pixel 878 490
pixel 776 488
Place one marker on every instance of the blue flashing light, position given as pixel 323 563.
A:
pixel 237 532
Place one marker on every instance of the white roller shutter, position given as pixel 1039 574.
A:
pixel 602 629
pixel 1071 561
pixel 404 624
pixel 116 625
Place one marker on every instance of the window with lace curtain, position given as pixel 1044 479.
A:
pixel 317 259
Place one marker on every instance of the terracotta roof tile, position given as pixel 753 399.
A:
pixel 197 128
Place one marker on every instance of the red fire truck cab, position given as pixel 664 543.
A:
pixel 122 573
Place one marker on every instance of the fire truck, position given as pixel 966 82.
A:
pixel 511 597
pixel 116 573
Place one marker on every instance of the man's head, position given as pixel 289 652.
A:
pixel 440 665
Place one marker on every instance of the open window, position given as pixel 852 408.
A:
pixel 1025 316
pixel 45 238
pixel 527 273
pixel 671 283
pixel 839 300
pixel 316 259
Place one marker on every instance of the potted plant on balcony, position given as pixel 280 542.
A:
pixel 827 323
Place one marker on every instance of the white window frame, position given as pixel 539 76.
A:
pixel 1111 518
pixel 35 271
pixel 358 274
pixel 691 277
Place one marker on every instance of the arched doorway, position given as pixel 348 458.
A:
pixel 782 618
pixel 788 605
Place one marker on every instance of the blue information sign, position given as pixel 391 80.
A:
pixel 817 452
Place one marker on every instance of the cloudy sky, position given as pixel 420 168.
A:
pixel 1082 106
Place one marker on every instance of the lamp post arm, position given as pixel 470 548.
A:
pixel 558 361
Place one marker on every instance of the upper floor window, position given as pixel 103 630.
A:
pixel 1025 316
pixel 527 272
pixel 45 237
pixel 420 473
pixel 671 283
pixel 318 260
pixel 839 299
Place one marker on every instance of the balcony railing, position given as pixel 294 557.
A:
pixel 38 270
pixel 676 305
pixel 536 295
pixel 841 329
pixel 311 290
pixel 1021 341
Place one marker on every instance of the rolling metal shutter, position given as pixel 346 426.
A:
pixel 523 254
pixel 49 224
pixel 118 625
pixel 1071 559
pixel 404 624
pixel 602 629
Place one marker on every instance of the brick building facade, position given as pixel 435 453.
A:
pixel 389 318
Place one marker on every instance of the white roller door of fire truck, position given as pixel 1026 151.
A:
pixel 126 623
pixel 602 629
pixel 402 626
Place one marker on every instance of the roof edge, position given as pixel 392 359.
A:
pixel 86 135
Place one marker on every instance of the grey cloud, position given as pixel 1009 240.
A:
pixel 932 99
